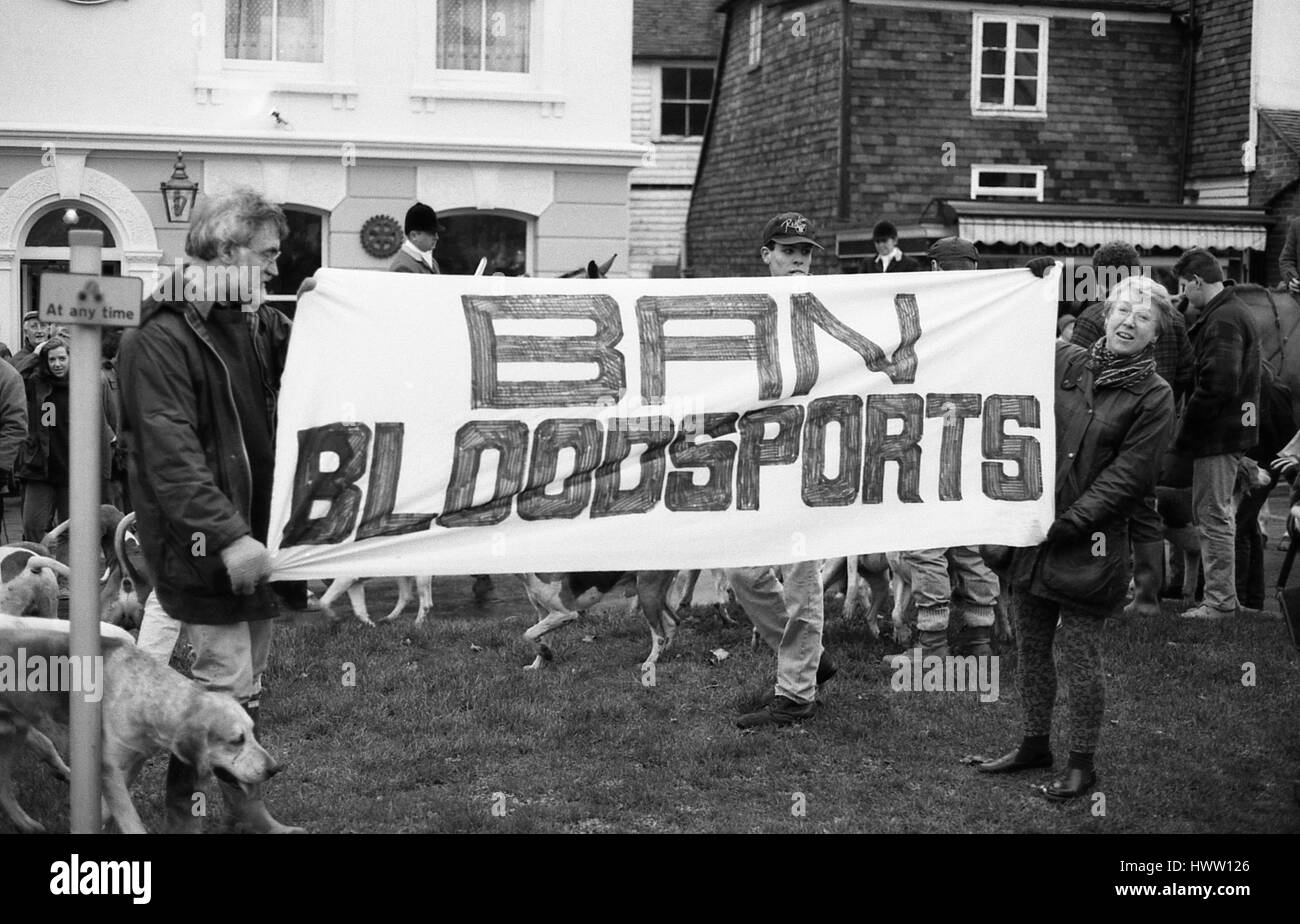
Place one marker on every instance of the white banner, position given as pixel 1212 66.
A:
pixel 471 425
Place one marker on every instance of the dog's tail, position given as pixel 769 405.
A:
pixel 129 565
pixel 37 562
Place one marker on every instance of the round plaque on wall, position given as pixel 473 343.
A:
pixel 381 236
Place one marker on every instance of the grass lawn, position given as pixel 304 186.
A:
pixel 444 732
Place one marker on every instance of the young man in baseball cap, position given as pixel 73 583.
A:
pixel 787 612
pixel 787 243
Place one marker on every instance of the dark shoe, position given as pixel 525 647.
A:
pixel 826 669
pixel 1012 762
pixel 1070 785
pixel 780 711
pixel 978 642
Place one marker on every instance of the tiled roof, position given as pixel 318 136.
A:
pixel 676 29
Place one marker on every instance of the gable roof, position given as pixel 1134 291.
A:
pixel 676 29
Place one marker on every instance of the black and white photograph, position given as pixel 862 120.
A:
pixel 706 417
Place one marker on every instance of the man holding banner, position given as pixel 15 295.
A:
pixel 199 381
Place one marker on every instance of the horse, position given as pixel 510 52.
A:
pixel 1277 321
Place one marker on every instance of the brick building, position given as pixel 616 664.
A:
pixel 1068 127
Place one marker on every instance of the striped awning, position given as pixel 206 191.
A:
pixel 1073 232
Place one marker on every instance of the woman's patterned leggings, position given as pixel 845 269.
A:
pixel 1078 639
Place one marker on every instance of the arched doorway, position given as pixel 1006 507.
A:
pixel 70 183
pixel 504 239
pixel 45 248
pixel 302 252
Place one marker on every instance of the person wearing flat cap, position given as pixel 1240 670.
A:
pixel 957 253
pixel 416 255
pixel 888 259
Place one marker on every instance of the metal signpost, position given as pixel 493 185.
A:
pixel 86 301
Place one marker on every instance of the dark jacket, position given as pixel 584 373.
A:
pixel 13 417
pixel 1218 417
pixel 405 263
pixel 1109 443
pixel 905 265
pixel 33 462
pixel 188 468
pixel 1174 359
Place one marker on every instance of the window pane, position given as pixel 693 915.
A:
pixel 1008 180
pixel 697 116
pixel 508 28
pixel 300 34
pixel 995 35
pixel 460 34
pixel 1026 64
pixel 991 90
pixel 300 254
pixel 993 62
pixel 674 83
pixel 50 231
pixel 248 29
pixel 1026 93
pixel 469 238
pixel 672 119
pixel 1027 36
pixel 701 83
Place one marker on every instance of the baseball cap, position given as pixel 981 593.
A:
pixel 953 248
pixel 883 231
pixel 790 228
pixel 32 316
pixel 420 217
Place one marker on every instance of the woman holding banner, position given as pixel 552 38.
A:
pixel 1114 420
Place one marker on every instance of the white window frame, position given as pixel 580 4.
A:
pixel 503 79
pixel 755 34
pixel 1005 109
pixel 305 69
pixel 657 99
pixel 1034 192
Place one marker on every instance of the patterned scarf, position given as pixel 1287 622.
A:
pixel 1113 371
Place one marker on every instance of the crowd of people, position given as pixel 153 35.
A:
pixel 1147 377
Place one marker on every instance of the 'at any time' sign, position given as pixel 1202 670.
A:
pixel 82 298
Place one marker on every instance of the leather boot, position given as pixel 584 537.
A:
pixel 182 784
pixel 978 639
pixel 932 642
pixel 1148 578
pixel 247 812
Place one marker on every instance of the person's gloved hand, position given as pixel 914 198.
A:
pixel 247 562
pixel 1040 265
pixel 1284 463
pixel 1064 531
